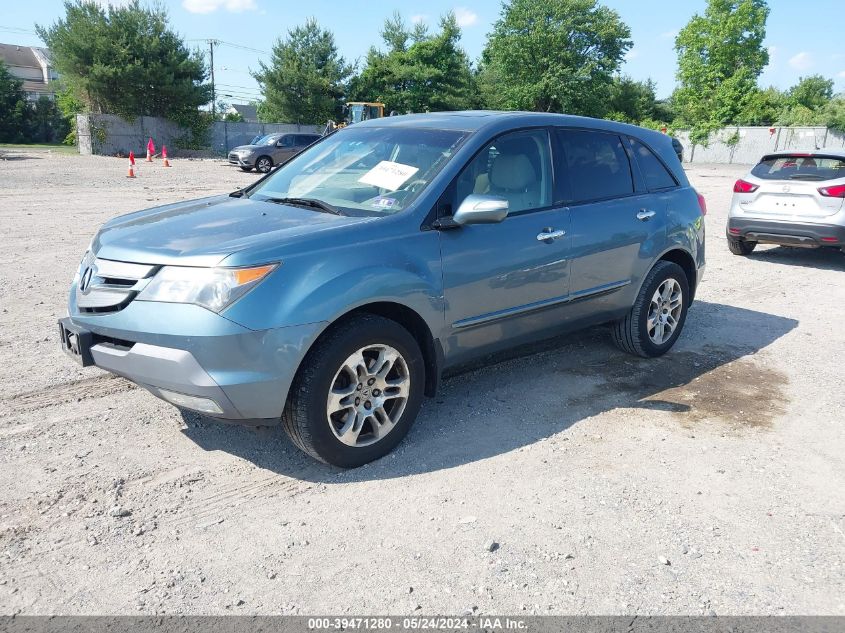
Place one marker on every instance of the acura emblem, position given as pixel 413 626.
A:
pixel 85 280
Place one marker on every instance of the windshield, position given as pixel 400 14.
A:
pixel 364 171
pixel 356 114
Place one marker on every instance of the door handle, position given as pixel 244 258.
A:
pixel 548 235
pixel 645 215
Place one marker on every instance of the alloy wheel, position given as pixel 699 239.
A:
pixel 664 311
pixel 368 395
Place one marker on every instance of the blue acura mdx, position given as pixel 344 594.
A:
pixel 330 295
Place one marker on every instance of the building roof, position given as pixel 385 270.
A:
pixel 22 56
pixel 247 111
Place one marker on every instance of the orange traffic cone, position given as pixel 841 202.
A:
pixel 164 155
pixel 151 149
pixel 131 173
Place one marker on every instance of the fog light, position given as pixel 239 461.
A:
pixel 203 405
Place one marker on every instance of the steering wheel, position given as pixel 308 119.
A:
pixel 414 185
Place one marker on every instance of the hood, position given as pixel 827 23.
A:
pixel 247 148
pixel 204 232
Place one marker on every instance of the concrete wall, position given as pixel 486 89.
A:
pixel 754 142
pixel 107 134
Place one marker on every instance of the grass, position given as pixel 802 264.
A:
pixel 57 147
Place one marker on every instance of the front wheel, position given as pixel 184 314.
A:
pixel 741 247
pixel 264 164
pixel 655 321
pixel 246 168
pixel 357 393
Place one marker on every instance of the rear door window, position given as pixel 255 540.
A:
pixel 653 170
pixel 596 164
pixel 800 167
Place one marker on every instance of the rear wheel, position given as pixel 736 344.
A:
pixel 655 321
pixel 357 393
pixel 264 164
pixel 740 247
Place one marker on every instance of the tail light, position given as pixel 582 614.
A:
pixel 702 203
pixel 836 191
pixel 743 186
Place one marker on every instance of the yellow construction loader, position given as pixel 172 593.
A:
pixel 355 112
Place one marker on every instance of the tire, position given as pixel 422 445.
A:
pixel 246 168
pixel 740 247
pixel 263 164
pixel 632 333
pixel 315 425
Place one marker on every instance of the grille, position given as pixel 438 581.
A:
pixel 107 286
pixel 233 158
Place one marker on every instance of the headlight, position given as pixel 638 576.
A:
pixel 212 288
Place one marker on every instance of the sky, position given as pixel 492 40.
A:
pixel 800 41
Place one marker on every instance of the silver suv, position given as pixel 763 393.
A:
pixel 273 149
pixel 792 199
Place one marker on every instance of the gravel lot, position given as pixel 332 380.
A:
pixel 709 481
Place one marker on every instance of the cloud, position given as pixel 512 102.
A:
pixel 419 18
pixel 670 35
pixel 801 61
pixel 841 74
pixel 465 17
pixel 210 6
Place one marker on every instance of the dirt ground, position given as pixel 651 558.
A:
pixel 709 481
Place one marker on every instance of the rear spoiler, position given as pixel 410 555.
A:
pixel 816 154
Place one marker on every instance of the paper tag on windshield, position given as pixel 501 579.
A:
pixel 388 175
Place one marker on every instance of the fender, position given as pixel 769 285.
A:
pixel 405 270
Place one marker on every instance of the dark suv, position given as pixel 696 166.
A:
pixel 273 149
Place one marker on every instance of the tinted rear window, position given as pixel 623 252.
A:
pixel 798 167
pixel 655 173
pixel 596 164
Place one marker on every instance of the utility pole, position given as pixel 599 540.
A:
pixel 211 44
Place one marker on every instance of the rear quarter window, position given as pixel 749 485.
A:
pixel 800 167
pixel 653 170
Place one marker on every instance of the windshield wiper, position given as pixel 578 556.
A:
pixel 310 203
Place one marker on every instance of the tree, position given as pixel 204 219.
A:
pixel 812 92
pixel 306 79
pixel 14 111
pixel 125 60
pixel 554 56
pixel 47 125
pixel 631 101
pixel 420 71
pixel 720 57
pixel 761 107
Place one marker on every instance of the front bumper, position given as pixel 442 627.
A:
pixel 786 233
pixel 241 161
pixel 184 349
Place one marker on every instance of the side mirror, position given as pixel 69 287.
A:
pixel 478 209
